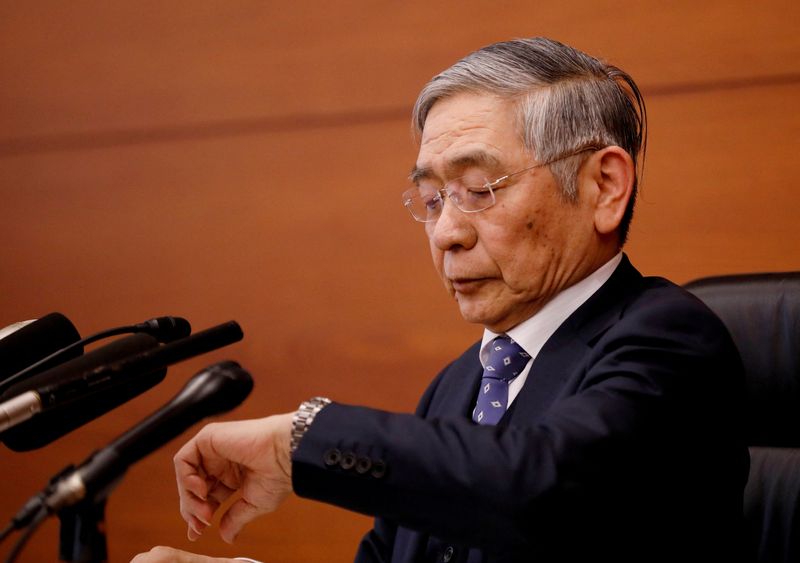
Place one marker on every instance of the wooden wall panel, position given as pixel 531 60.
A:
pixel 719 193
pixel 243 160
pixel 72 69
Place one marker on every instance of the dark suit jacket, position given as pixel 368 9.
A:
pixel 624 445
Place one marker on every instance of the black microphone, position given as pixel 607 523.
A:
pixel 164 329
pixel 30 396
pixel 14 327
pixel 73 394
pixel 35 341
pixel 214 390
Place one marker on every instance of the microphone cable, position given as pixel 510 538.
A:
pixel 26 517
pixel 22 541
pixel 166 329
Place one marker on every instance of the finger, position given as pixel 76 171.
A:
pixel 192 481
pixel 191 533
pixel 238 514
pixel 197 513
pixel 195 484
pixel 161 554
pixel 201 472
pixel 219 492
pixel 204 509
pixel 189 472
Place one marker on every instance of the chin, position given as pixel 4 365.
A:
pixel 471 315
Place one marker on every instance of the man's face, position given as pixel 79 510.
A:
pixel 502 264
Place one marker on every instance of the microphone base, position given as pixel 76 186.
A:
pixel 82 538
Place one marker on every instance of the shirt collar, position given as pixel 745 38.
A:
pixel 532 333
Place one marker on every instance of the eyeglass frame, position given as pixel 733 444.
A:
pixel 489 185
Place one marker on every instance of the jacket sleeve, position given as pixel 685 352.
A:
pixel 657 388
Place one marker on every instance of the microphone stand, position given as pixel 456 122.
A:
pixel 82 538
pixel 82 535
pixel 79 495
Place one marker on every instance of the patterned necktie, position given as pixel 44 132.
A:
pixel 506 361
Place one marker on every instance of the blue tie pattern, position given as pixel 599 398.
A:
pixel 506 361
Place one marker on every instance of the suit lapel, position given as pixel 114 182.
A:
pixel 458 387
pixel 565 351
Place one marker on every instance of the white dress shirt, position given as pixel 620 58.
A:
pixel 534 332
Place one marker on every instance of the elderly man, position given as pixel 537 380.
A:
pixel 597 418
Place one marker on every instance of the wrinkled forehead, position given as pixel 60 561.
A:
pixel 458 165
pixel 468 130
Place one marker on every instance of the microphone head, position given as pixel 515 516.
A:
pixel 35 341
pixel 52 424
pixel 166 329
pixel 219 387
pixel 214 390
pixel 14 327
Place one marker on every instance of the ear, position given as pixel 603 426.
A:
pixel 613 173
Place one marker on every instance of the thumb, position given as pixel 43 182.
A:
pixel 240 513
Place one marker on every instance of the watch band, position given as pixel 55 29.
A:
pixel 303 418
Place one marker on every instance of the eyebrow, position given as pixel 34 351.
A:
pixel 455 166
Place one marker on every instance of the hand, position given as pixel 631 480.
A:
pixel 162 554
pixel 249 456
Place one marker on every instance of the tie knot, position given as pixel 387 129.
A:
pixel 506 359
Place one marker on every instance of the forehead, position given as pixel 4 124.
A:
pixel 469 129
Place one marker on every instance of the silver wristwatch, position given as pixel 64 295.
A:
pixel 303 418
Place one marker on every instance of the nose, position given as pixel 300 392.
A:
pixel 453 229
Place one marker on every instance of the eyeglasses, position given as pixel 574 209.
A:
pixel 470 193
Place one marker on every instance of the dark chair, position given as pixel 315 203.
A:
pixel 762 313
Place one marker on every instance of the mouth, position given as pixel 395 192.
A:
pixel 467 285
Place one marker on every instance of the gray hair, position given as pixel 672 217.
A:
pixel 566 101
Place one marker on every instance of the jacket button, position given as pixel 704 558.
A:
pixel 348 460
pixel 332 457
pixel 363 464
pixel 448 554
pixel 378 468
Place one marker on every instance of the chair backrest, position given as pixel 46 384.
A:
pixel 762 313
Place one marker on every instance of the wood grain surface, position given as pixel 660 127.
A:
pixel 244 160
